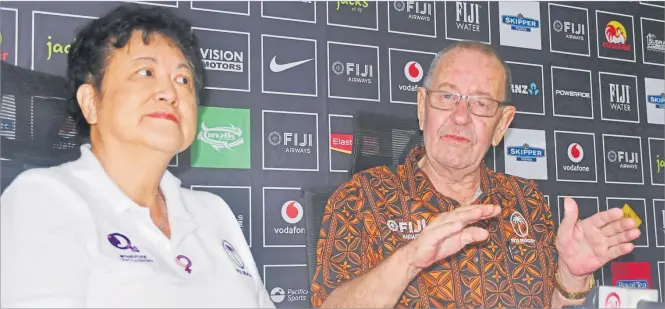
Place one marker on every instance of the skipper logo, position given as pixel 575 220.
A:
pixel 657 100
pixel 520 23
pixel 526 153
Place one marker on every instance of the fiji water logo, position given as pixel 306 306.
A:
pixel 221 138
pixel 520 23
pixel 657 100
pixel 526 153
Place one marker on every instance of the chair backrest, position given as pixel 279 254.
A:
pixel 35 124
pixel 315 203
pixel 380 139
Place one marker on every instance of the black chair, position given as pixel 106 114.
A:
pixel 377 140
pixel 380 139
pixel 315 202
pixel 36 129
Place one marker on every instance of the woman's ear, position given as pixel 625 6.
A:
pixel 85 96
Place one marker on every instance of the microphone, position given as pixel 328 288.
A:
pixel 636 275
pixel 618 297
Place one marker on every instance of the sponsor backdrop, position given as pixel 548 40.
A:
pixel 285 78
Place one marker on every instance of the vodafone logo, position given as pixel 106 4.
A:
pixel 575 152
pixel 292 212
pixel 413 71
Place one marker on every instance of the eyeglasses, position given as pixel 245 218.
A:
pixel 479 106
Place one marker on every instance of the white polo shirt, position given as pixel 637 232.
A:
pixel 71 238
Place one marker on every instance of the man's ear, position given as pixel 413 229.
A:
pixel 506 117
pixel 85 96
pixel 422 100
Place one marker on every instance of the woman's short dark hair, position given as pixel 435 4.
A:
pixel 90 51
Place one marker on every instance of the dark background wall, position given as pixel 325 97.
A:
pixel 265 130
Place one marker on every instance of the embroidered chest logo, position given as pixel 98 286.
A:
pixel 185 262
pixel 409 230
pixel 521 228
pixel 129 253
pixel 235 258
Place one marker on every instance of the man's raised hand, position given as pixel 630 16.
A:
pixel 449 233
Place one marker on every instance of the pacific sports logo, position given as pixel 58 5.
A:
pixel 616 36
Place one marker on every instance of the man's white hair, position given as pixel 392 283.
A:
pixel 475 46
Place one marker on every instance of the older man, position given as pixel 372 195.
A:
pixel 443 230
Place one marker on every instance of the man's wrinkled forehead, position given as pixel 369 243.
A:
pixel 485 70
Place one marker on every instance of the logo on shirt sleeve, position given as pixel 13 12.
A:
pixel 235 258
pixel 130 253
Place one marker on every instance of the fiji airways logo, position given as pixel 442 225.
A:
pixel 357 73
pixel 221 138
pixel 573 31
pixel 526 153
pixel 409 230
pixel 417 10
pixel 625 159
pixel 520 23
pixel 294 142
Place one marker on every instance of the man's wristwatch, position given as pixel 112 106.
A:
pixel 572 295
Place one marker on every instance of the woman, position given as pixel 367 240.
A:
pixel 114 228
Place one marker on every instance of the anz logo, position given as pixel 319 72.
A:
pixel 531 89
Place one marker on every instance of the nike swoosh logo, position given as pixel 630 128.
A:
pixel 283 67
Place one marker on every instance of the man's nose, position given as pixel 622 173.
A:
pixel 461 113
